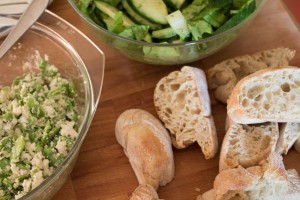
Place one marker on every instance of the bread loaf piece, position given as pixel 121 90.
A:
pixel 297 145
pixel 144 192
pixel 271 95
pixel 247 145
pixel 224 76
pixel 182 102
pixel 209 195
pixel 147 144
pixel 267 181
pixel 288 134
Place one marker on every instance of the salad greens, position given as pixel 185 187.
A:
pixel 188 20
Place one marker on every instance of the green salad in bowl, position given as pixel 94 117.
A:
pixel 167 31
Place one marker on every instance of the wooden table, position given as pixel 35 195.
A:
pixel 102 170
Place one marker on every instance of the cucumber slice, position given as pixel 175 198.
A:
pixel 178 24
pixel 153 10
pixel 246 11
pixel 167 40
pixel 112 11
pixel 148 38
pixel 138 18
pixel 164 33
pixel 194 8
pixel 216 18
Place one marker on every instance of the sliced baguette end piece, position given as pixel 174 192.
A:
pixel 147 144
pixel 144 192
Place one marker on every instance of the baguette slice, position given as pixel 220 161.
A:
pixel 289 133
pixel 182 102
pixel 248 145
pixel 297 145
pixel 208 195
pixel 269 181
pixel 271 95
pixel 144 192
pixel 224 76
pixel 148 146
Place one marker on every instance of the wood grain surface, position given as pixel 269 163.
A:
pixel 102 170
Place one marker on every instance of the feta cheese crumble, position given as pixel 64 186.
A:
pixel 38 127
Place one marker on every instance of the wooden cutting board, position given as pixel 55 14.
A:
pixel 103 171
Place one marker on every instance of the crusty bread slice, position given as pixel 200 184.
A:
pixel 268 181
pixel 144 192
pixel 288 134
pixel 271 95
pixel 182 102
pixel 224 76
pixel 147 144
pixel 247 145
pixel 297 145
pixel 208 195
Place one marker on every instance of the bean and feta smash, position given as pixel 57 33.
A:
pixel 38 127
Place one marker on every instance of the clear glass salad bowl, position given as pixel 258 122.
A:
pixel 168 54
pixel 76 58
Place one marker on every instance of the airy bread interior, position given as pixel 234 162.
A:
pixel 248 145
pixel 267 95
pixel 183 104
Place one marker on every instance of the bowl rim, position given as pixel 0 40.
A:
pixel 143 43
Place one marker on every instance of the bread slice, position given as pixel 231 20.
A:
pixel 271 95
pixel 209 195
pixel 182 102
pixel 268 181
pixel 297 145
pixel 147 144
pixel 288 134
pixel 247 145
pixel 144 192
pixel 224 76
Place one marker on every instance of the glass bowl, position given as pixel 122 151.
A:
pixel 78 59
pixel 170 54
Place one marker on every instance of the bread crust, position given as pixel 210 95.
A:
pixel 297 145
pixel 288 134
pixel 223 76
pixel 144 192
pixel 236 180
pixel 182 103
pixel 255 182
pixel 208 195
pixel 147 145
pixel 239 113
